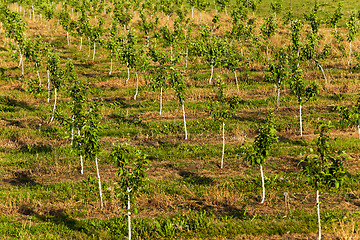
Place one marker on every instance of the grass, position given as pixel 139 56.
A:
pixel 186 195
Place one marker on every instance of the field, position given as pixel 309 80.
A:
pixel 185 193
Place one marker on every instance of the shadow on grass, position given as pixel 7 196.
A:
pixel 21 178
pixel 10 102
pixel 193 178
pixel 59 217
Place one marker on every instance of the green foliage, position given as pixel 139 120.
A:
pixel 91 140
pixel 269 27
pixel 324 169
pixel 265 139
pixel 314 19
pixel 350 116
pixel 333 20
pixel 132 171
pixel 352 26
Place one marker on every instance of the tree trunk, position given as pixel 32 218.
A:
pixel 128 71
pixel 171 52
pixel 94 51
pixel 349 53
pixel 262 184
pixel 111 63
pixel 278 98
pixel 161 94
pixel 99 181
pixel 89 47
pixel 323 72
pixel 53 113
pixel 223 146
pixel 318 212
pixel 192 12
pixel 129 213
pixel 183 108
pixel 67 37
pixel 267 52
pixel 137 85
pixel 212 72
pixel 186 58
pixel 48 86
pixel 80 43
pixel 358 126
pixel 300 122
pixel 237 84
pixel 72 130
pixel 81 157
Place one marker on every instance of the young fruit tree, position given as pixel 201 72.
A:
pixel 78 94
pixel 131 176
pixel 323 170
pixel 350 116
pixel 55 76
pixel 91 141
pixel 261 147
pixel 221 112
pixel 278 73
pixel 300 90
pixel 268 29
pixel 179 85
pixel 353 29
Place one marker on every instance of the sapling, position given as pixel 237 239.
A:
pixel 131 176
pixel 91 142
pixel 220 110
pixel 353 29
pixel 179 85
pixel 334 19
pixel 268 29
pixel 323 170
pixel 350 115
pixel 277 72
pixel 55 76
pixel 302 92
pixel 261 147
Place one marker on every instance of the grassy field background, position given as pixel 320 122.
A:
pixel 186 195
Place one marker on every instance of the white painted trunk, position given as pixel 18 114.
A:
pixel 267 52
pixel 323 72
pixel 192 12
pixel 349 53
pixel 318 212
pixel 212 73
pixel 301 133
pixel 111 64
pixel 223 146
pixel 278 98
pixel 99 181
pixel 137 85
pixel 53 113
pixel 81 157
pixel 186 58
pixel 171 52
pixel 161 94
pixel 237 83
pixel 68 39
pixel 358 126
pixel 128 71
pixel 80 43
pixel 94 51
pixel 72 130
pixel 262 184
pixel 38 74
pixel 89 47
pixel 183 108
pixel 129 214
pixel 48 85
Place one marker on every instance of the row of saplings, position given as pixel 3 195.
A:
pixel 323 170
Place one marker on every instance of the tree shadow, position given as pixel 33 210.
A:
pixel 193 178
pixel 10 102
pixel 58 217
pixel 22 178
